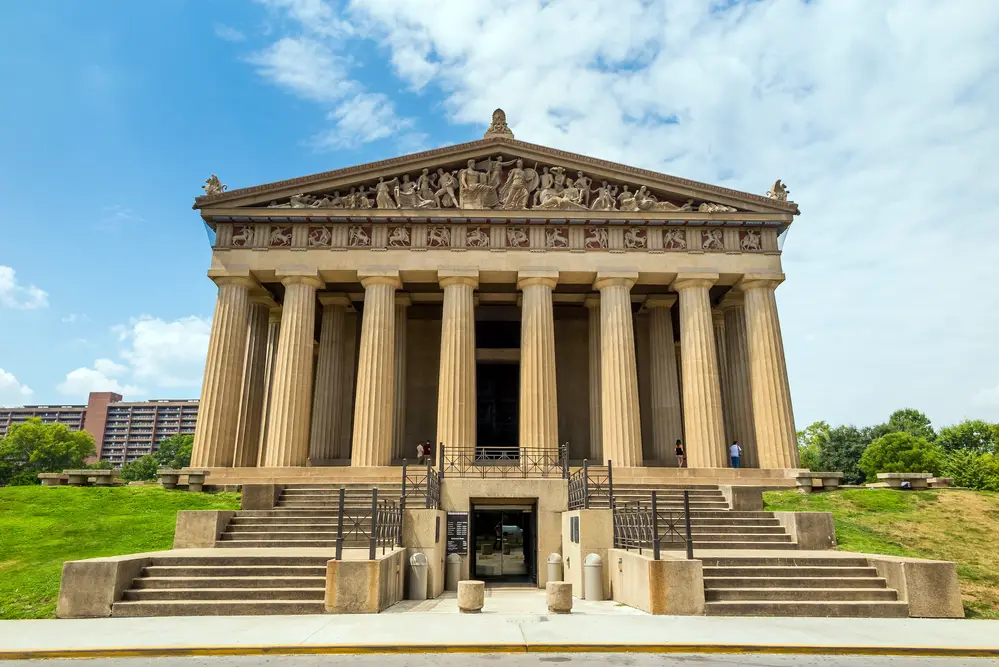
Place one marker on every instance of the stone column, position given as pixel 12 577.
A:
pixel 776 443
pixel 374 400
pixel 667 421
pixel 327 395
pixel 620 417
pixel 702 410
pixel 273 331
pixel 596 428
pixel 739 397
pixel 718 324
pixel 291 389
pixel 218 409
pixel 538 395
pixel 402 304
pixel 456 408
pixel 254 376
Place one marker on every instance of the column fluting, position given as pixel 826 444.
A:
pixel 538 393
pixel 375 394
pixel 596 427
pixel 739 398
pixel 291 388
pixel 702 405
pixel 327 396
pixel 667 422
pixel 218 409
pixel 776 442
pixel 620 417
pixel 254 377
pixel 456 407
pixel 402 303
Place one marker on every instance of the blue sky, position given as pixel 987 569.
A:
pixel 883 125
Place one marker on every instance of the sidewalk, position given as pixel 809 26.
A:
pixel 417 632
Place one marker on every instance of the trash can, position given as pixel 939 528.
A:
pixel 418 568
pixel 555 567
pixel 593 578
pixel 453 574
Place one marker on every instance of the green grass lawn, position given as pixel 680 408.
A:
pixel 954 525
pixel 40 527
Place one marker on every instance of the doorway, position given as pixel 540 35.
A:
pixel 497 390
pixel 504 544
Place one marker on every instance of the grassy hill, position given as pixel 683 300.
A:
pixel 40 527
pixel 955 525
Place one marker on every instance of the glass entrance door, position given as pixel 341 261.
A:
pixel 504 545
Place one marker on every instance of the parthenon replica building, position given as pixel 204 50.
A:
pixel 494 295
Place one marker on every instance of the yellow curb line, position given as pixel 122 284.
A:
pixel 343 649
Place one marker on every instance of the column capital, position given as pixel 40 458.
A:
pixel 528 277
pixel 235 275
pixel 592 301
pixel 610 278
pixel 734 298
pixel 661 301
pixel 456 276
pixel 688 279
pixel 335 300
pixel 761 280
pixel 375 276
pixel 403 300
pixel 294 275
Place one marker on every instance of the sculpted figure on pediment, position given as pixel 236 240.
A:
pixel 475 192
pixel 445 194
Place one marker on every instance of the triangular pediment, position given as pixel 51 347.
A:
pixel 498 173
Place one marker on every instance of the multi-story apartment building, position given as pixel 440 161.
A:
pixel 123 431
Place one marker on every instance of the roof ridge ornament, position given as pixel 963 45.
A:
pixel 498 128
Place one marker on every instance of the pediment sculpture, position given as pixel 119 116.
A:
pixel 497 183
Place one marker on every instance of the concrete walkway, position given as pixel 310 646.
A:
pixel 418 632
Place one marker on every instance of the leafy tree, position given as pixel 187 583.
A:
pixel 972 435
pixel 34 447
pixel 900 452
pixel 175 451
pixel 141 469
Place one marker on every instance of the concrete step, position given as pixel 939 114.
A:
pixel 212 594
pixel 799 608
pixel 235 571
pixel 217 608
pixel 794 594
pixel 803 571
pixel 276 580
pixel 789 582
pixel 784 561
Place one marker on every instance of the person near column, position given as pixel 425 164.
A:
pixel 681 456
pixel 735 453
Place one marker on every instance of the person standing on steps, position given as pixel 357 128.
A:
pixel 681 456
pixel 735 453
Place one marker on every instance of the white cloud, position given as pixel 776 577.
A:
pixel 166 354
pixel 228 33
pixel 12 392
pixel 15 295
pixel 82 381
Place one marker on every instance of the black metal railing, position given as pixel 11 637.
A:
pixel 378 524
pixel 590 486
pixel 641 525
pixel 502 462
pixel 421 486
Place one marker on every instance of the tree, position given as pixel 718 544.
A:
pixel 900 452
pixel 972 435
pixel 175 451
pixel 34 447
pixel 141 469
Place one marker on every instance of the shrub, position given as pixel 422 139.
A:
pixel 900 452
pixel 142 469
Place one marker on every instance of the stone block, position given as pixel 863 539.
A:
pixel 471 596
pixel 89 587
pixel 200 528
pixel 260 496
pixel 743 498
pixel 810 530
pixel 929 587
pixel 559 596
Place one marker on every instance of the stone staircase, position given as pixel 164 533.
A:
pixel 306 516
pixel 230 585
pixel 794 586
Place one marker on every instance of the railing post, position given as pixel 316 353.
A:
pixel 339 525
pixel 686 521
pixel 430 472
pixel 586 484
pixel 610 484
pixel 373 539
pixel 655 527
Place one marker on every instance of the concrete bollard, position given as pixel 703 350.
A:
pixel 593 578
pixel 471 596
pixel 559 594
pixel 555 567
pixel 453 574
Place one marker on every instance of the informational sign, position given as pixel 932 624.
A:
pixel 457 533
